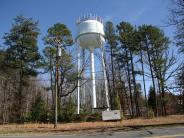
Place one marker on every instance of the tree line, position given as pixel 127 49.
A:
pixel 137 58
pixel 140 52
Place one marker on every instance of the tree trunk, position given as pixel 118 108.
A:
pixel 123 103
pixel 135 86
pixel 183 101
pixel 144 84
pixel 20 118
pixel 108 80
pixel 152 77
pixel 159 89
pixel 4 85
pixel 163 98
pixel 130 87
pixel 51 82
pixel 164 112
pixel 113 77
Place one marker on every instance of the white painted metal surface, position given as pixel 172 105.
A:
pixel 59 51
pixel 105 80
pixel 90 33
pixel 78 83
pixel 111 115
pixel 93 78
pixel 83 76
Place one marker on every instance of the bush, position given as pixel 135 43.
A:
pixel 150 114
pixel 68 112
pixel 38 110
pixel 87 117
pixel 94 117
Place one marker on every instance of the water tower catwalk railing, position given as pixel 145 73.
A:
pixel 90 35
pixel 89 17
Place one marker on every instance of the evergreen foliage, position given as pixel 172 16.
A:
pixel 22 55
pixel 152 99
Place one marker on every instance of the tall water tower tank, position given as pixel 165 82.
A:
pixel 90 32
pixel 90 35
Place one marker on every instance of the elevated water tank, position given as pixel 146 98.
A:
pixel 90 32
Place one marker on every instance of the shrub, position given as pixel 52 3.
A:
pixel 38 111
pixel 150 114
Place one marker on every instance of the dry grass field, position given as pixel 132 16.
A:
pixel 68 127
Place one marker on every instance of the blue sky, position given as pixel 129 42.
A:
pixel 49 12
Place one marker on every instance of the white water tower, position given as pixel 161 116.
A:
pixel 90 36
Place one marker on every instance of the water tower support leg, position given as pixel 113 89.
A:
pixel 78 82
pixel 83 76
pixel 93 78
pixel 105 80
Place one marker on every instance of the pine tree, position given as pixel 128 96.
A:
pixel 127 35
pixel 61 69
pixel 111 37
pixel 155 44
pixel 22 55
pixel 152 99
pixel 177 19
pixel 38 109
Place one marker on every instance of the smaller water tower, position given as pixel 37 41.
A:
pixel 90 36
